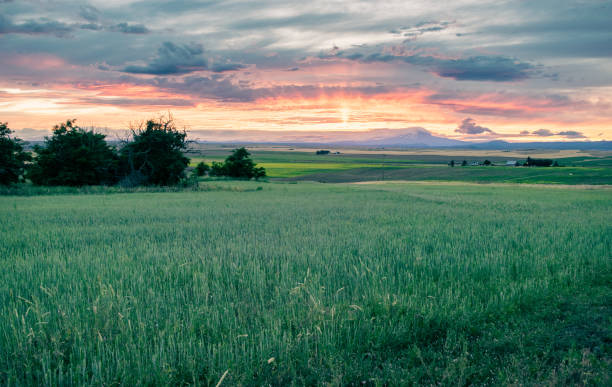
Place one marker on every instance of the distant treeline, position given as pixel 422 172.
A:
pixel 530 162
pixel 153 154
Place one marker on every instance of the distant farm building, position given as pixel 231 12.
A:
pixel 475 164
pixel 511 163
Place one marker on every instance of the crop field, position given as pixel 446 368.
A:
pixel 350 165
pixel 255 283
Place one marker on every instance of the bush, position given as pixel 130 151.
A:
pixel 74 156
pixel 12 157
pixel 154 155
pixel 201 169
pixel 238 165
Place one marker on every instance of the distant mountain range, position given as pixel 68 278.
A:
pixel 414 137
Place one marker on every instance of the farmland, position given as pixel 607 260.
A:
pixel 351 165
pixel 303 283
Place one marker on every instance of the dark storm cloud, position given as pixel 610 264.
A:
pixel 468 126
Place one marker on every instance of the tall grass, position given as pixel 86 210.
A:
pixel 307 284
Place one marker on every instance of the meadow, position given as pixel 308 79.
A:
pixel 254 283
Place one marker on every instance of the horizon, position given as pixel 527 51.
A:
pixel 469 71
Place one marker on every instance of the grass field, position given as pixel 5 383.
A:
pixel 579 167
pixel 308 284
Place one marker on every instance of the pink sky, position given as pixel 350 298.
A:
pixel 460 72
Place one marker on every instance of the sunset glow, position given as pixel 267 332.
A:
pixel 310 67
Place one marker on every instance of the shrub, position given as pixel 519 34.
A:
pixel 154 155
pixel 12 157
pixel 74 156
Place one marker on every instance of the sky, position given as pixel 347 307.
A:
pixel 467 70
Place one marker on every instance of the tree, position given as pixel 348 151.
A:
pixel 531 162
pixel 12 157
pixel 217 169
pixel 238 165
pixel 201 169
pixel 463 163
pixel 486 162
pixel 74 156
pixel 154 155
pixel 452 163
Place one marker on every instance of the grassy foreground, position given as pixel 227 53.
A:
pixel 308 284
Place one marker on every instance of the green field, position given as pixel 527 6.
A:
pixel 308 284
pixel 358 165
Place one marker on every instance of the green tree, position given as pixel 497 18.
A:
pixel 463 163
pixel 238 165
pixel 154 155
pixel 201 169
pixel 486 162
pixel 12 157
pixel 217 169
pixel 74 156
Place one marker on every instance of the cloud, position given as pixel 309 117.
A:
pixel 129 28
pixel 468 126
pixel 223 67
pixel 543 133
pixel 565 133
pixel 173 59
pixel 473 68
pixel 91 26
pixel 571 134
pixel 89 13
pixel 413 32
pixel 42 26
pixel 482 68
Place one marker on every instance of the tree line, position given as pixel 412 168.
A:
pixel 153 154
pixel 530 162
